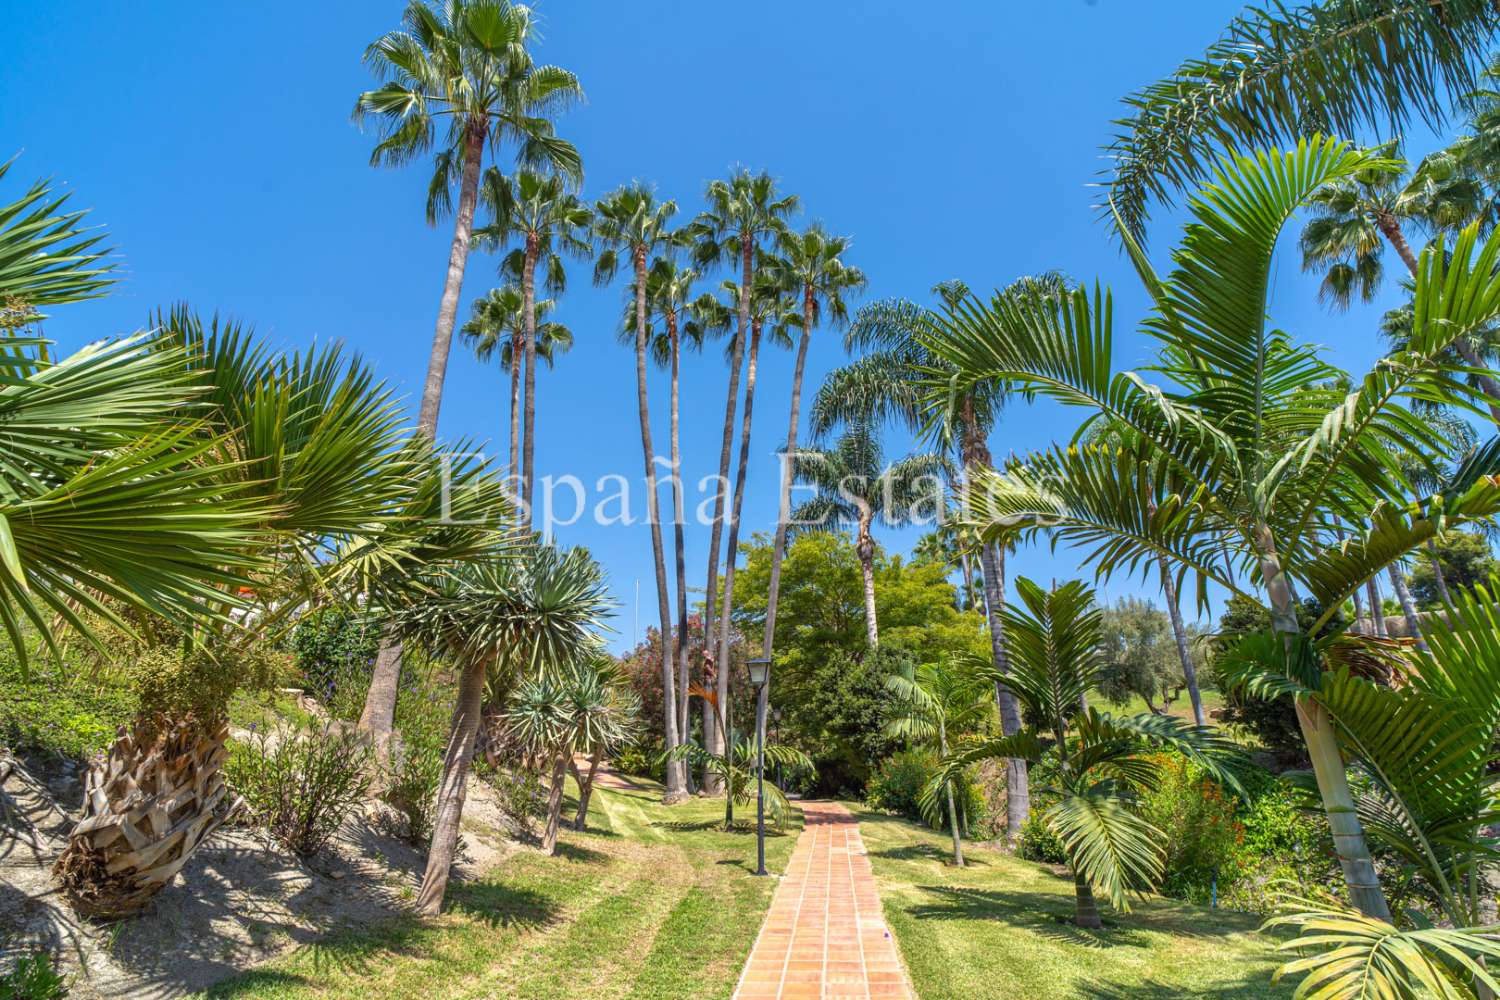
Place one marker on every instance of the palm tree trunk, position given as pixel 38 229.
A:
pixel 679 545
pixel 1359 605
pixel 378 717
pixel 1086 911
pixel 784 501
pixel 1377 608
pixel 528 297
pixel 1323 747
pixel 967 569
pixel 1017 776
pixel 1408 606
pixel 713 740
pixel 676 779
pixel 554 801
pixel 1390 228
pixel 453 788
pixel 731 552
pixel 586 792
pixel 958 845
pixel 1189 672
pixel 517 352
pixel 864 547
pixel 1437 572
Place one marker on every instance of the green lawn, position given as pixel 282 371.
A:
pixel 650 903
pixel 1002 928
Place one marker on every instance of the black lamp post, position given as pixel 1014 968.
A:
pixel 760 679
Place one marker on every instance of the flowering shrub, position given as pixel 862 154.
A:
pixel 416 768
pixel 1202 836
pixel 301 786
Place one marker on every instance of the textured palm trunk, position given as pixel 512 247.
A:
pixel 676 769
pixel 378 718
pixel 976 455
pixel 784 500
pixel 1322 746
pixel 147 807
pixel 1390 228
pixel 864 548
pixel 958 844
pixel 1408 606
pixel 1437 572
pixel 731 553
pixel 1359 605
pixel 528 306
pixel 517 351
pixel 453 787
pixel 1086 909
pixel 678 543
pixel 555 800
pixel 1377 608
pixel 1189 672
pixel 586 792
pixel 713 739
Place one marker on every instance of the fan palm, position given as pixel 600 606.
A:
pixel 743 213
pixel 1244 467
pixel 855 488
pixel 1276 72
pixel 584 708
pixel 1100 762
pixel 630 222
pixel 552 223
pixel 46 256
pixel 517 611
pixel 499 329
pixel 465 65
pixel 813 264
pixel 931 702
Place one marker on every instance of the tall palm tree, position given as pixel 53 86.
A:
pixel 534 609
pixel 630 222
pixel 1100 761
pixel 464 64
pixel 812 262
pixel 551 223
pixel 855 488
pixel 1276 72
pixel 932 703
pixel 1249 461
pixel 743 212
pixel 498 328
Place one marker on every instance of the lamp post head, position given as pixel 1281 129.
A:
pixel 760 671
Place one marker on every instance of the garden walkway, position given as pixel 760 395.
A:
pixel 824 936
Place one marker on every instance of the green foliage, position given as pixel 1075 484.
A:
pixel 896 787
pixel 171 684
pixel 641 761
pixel 416 768
pixel 1200 831
pixel 1140 655
pixel 33 977
pixel 1039 843
pixel 1286 848
pixel 55 707
pixel 301 785
pixel 334 649
pixel 1467 558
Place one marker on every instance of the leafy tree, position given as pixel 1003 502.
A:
pixel 1100 762
pixel 1242 467
pixel 1466 559
pixel 1139 656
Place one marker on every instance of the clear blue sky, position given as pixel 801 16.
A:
pixel 951 141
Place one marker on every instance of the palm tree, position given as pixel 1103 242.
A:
pixel 562 713
pixel 1278 72
pixel 856 488
pixel 49 258
pixel 466 62
pixel 1247 464
pixel 932 702
pixel 552 223
pixel 813 264
pixel 498 328
pixel 1100 761
pixel 633 223
pixel 736 767
pixel 742 212
pixel 537 609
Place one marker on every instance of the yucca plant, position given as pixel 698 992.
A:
pixel 1100 762
pixel 1240 468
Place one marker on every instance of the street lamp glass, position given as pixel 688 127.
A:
pixel 760 672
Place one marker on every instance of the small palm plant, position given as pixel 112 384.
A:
pixel 932 702
pixel 579 709
pixel 735 769
pixel 1100 763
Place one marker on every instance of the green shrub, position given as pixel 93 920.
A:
pixel 33 978
pixel 301 786
pixel 422 711
pixel 1286 848
pixel 1038 842
pixel 640 761
pixel 896 786
pixel 1201 836
pixel 520 793
pixel 335 651
pixel 69 710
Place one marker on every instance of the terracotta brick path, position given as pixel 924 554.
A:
pixel 824 936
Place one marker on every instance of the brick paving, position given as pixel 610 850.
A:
pixel 824 936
